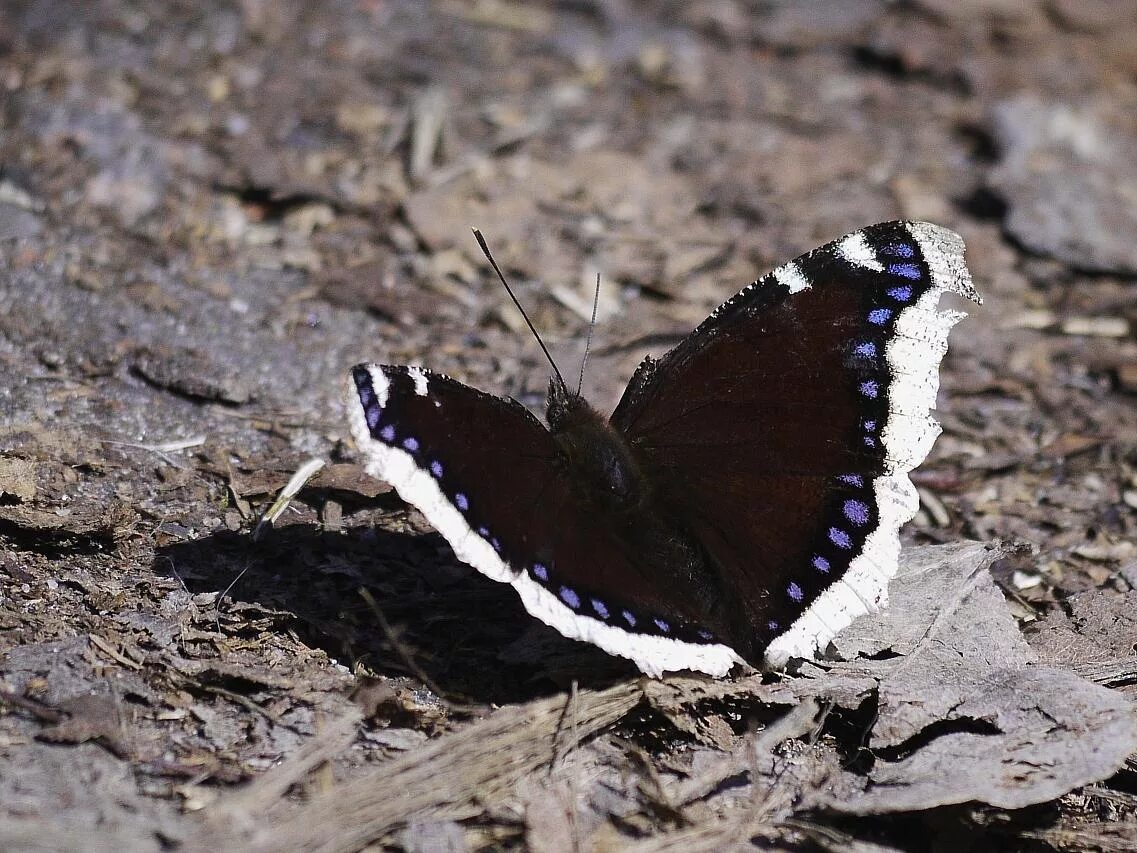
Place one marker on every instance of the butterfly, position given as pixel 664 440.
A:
pixel 743 502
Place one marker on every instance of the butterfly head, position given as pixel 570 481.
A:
pixel 596 455
pixel 562 406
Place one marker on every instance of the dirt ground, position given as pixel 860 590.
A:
pixel 210 211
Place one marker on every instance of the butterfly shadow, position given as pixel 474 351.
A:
pixel 396 604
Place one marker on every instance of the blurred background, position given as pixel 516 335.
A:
pixel 210 211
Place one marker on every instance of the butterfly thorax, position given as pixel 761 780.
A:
pixel 596 456
pixel 605 474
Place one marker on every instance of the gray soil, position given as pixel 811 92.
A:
pixel 210 211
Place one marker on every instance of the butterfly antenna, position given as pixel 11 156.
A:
pixel 486 251
pixel 588 340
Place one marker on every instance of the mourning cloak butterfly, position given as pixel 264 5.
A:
pixel 745 498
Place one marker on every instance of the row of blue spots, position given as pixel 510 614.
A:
pixel 869 425
pixel 901 293
pixel 367 399
pixel 494 543
pixel 371 408
pixel 869 350
pixel 856 511
pixel 858 514
pixel 572 599
pixel 411 445
pixel 904 270
pixel 568 595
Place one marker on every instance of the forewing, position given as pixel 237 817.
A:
pixel 489 477
pixel 783 429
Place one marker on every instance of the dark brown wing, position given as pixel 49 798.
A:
pixel 490 478
pixel 782 429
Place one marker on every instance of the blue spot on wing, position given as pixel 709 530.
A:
pixel 911 271
pixel 857 512
pixel 840 538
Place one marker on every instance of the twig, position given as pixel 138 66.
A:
pixel 408 659
pixel 303 474
pixel 108 650
pixel 266 790
pixel 479 763
pixel 164 446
